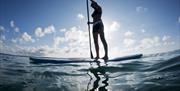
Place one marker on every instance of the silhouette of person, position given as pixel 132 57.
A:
pixel 98 29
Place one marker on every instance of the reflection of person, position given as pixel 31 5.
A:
pixel 97 72
pixel 98 29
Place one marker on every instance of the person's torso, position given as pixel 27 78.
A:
pixel 97 15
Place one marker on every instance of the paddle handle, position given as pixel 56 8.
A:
pixel 91 54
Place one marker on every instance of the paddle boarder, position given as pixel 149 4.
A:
pixel 98 29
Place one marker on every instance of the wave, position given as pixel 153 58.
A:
pixel 51 74
pixel 172 64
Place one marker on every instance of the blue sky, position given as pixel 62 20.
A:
pixel 58 27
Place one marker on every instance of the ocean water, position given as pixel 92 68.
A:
pixel 155 72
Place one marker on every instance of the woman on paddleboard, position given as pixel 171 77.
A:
pixel 98 29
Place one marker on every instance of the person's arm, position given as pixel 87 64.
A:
pixel 92 1
pixel 90 22
pixel 97 7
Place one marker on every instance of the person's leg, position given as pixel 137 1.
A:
pixel 95 36
pixel 105 45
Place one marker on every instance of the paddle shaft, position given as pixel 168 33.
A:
pixel 89 29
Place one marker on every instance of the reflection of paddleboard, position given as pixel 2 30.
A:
pixel 38 60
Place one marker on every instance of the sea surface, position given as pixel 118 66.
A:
pixel 154 72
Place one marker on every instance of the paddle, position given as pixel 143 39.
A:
pixel 91 54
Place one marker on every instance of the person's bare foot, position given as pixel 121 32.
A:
pixel 96 58
pixel 105 58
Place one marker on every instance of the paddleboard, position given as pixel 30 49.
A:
pixel 40 60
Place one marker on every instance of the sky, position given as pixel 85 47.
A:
pixel 58 28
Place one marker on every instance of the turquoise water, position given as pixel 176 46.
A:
pixel 155 72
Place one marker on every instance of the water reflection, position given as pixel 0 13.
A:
pixel 97 74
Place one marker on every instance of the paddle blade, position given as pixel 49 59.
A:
pixel 91 55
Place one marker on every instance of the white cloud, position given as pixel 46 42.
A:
pixel 128 42
pixel 54 52
pixel 143 30
pixel 156 39
pixel 58 41
pixel 62 30
pixel 114 26
pixel 141 9
pixel 12 24
pixel 80 16
pixel 2 29
pixel 172 43
pixel 3 37
pixel 27 38
pixel 19 49
pixel 14 40
pixel 72 34
pixel 1 43
pixel 147 43
pixel 169 43
pixel 16 29
pixel 48 30
pixel 75 35
pixel 179 19
pixel 75 41
pixel 166 38
pixel 39 32
pixel 76 45
pixel 155 45
pixel 128 34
